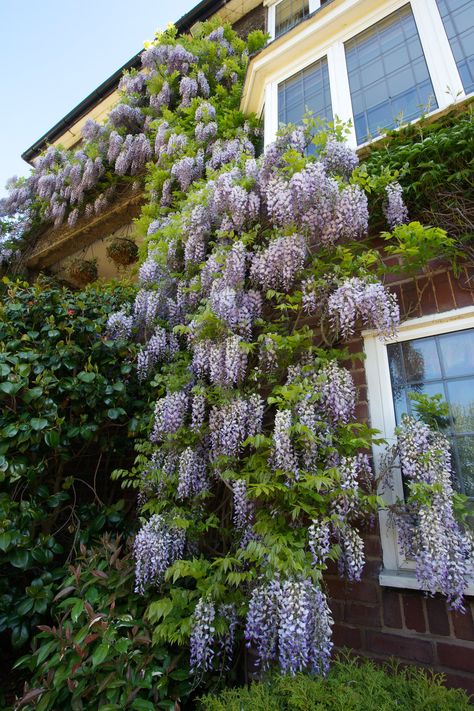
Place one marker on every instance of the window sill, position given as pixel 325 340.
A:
pixel 406 579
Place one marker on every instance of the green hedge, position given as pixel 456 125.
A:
pixel 351 685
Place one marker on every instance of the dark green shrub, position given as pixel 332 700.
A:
pixel 351 685
pixel 69 404
pixel 99 653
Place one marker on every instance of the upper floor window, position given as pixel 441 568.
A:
pixel 288 13
pixel 440 364
pixel 388 76
pixel 458 20
pixel 306 90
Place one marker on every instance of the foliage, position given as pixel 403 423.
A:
pixel 434 162
pixel 98 652
pixel 71 405
pixel 352 685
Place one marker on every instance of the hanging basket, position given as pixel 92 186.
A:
pixel 122 251
pixel 83 271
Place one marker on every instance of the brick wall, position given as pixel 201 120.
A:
pixel 381 622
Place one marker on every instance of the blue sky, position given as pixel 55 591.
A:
pixel 53 53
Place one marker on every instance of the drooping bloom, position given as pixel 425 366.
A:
pixel 156 547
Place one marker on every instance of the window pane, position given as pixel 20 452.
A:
pixel 288 13
pixel 458 20
pixel 388 75
pixel 457 353
pixel 442 365
pixel 306 90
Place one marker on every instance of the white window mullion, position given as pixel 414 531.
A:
pixel 442 67
pixel 339 87
pixel 271 15
pixel 271 113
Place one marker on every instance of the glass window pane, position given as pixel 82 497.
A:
pixel 458 20
pixel 288 13
pixel 442 365
pixel 420 359
pixel 307 90
pixel 457 353
pixel 461 402
pixel 391 53
pixel 465 451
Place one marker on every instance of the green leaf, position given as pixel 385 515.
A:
pixel 100 654
pixel 52 438
pixel 159 609
pixel 86 377
pixel 20 559
pixel 143 705
pixel 38 423
pixel 5 540
pixel 10 388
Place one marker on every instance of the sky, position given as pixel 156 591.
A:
pixel 53 53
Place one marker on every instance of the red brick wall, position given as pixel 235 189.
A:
pixel 381 622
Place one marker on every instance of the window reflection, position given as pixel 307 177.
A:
pixel 442 365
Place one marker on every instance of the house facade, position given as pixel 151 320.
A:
pixel 373 64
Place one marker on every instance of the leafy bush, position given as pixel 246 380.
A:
pixel 70 401
pixel 99 652
pixel 350 686
pixel 434 160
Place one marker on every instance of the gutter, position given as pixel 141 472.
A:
pixel 200 13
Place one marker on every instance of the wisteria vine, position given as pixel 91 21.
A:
pixel 254 477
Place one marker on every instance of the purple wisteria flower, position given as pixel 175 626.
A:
pixel 358 299
pixel 278 266
pixel 394 208
pixel 119 325
pixel 441 549
pixel 156 547
pixel 170 413
pixel 290 622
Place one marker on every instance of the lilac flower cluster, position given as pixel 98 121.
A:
pixel 207 649
pixel 243 511
pixel 225 362
pixel 283 455
pixel 192 473
pixel 160 347
pixel 148 306
pixel 135 152
pixel 367 301
pixel 232 423
pixel 202 636
pixel 395 209
pixel 277 266
pixel 119 326
pixel 290 622
pixel 156 547
pixel 338 158
pixel 440 548
pixel 170 413
pixel 312 201
pixel 170 58
pixel 237 308
pixel 337 392
pixel 319 541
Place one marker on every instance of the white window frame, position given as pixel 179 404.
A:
pixel 331 34
pixel 398 571
pixel 271 14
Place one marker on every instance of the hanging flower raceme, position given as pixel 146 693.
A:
pixel 119 325
pixel 290 622
pixel 156 547
pixel 394 208
pixel 278 266
pixel 170 413
pixel 441 549
pixel 366 301
pixel 231 424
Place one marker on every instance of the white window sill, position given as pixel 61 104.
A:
pixel 406 579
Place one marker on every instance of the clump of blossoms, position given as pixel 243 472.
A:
pixel 429 531
pixel 290 621
pixel 156 547
pixel 366 301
